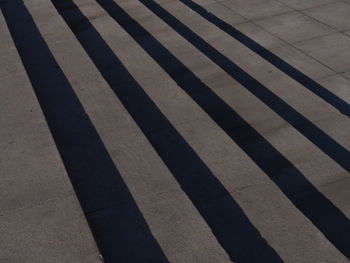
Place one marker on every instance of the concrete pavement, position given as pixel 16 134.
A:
pixel 191 131
pixel 40 216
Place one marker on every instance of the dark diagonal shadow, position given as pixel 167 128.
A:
pixel 119 228
pixel 327 144
pixel 324 215
pixel 229 224
pixel 276 61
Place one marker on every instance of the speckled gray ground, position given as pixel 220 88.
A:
pixel 255 103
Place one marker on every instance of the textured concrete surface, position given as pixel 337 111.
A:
pixel 191 131
pixel 40 217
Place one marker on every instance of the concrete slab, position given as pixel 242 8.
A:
pixel 336 15
pixel 293 27
pixel 338 84
pixel 227 15
pixel 258 34
pixel 331 50
pixel 51 231
pixel 303 62
pixel 255 9
pixel 304 4
pixel 347 74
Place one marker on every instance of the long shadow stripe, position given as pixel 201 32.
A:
pixel 324 215
pixel 276 61
pixel 229 224
pixel 120 230
pixel 327 144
